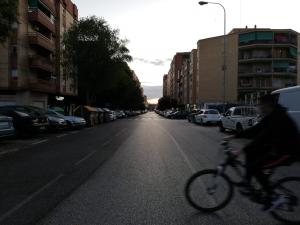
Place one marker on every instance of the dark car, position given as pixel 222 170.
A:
pixel 6 127
pixel 26 119
pixel 178 115
pixel 56 122
pixel 192 114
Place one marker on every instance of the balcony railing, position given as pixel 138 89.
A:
pixel 38 62
pixel 43 86
pixel 50 5
pixel 38 17
pixel 38 39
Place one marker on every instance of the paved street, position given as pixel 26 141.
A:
pixel 131 171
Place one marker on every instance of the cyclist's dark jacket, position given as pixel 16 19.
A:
pixel 276 133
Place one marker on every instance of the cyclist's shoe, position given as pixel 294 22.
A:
pixel 273 202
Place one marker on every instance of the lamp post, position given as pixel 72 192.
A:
pixel 224 46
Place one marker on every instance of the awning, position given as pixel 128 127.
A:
pixel 90 108
pixel 293 51
pixel 281 64
pixel 100 110
pixel 264 35
pixel 247 37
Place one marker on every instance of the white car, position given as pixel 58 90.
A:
pixel 208 116
pixel 239 118
pixel 289 98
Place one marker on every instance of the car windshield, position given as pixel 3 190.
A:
pixel 117 110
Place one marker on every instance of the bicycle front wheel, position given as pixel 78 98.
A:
pixel 207 191
pixel 289 210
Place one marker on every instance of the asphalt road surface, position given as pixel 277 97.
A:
pixel 131 171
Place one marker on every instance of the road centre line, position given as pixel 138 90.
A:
pixel 29 198
pixel 85 158
pixel 74 132
pixel 39 142
pixel 9 150
pixel 180 150
pixel 61 135
pixel 106 143
pixel 120 132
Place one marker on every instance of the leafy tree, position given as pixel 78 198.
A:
pixel 93 53
pixel 8 16
pixel 166 103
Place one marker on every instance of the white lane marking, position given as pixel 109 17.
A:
pixel 28 199
pixel 85 158
pixel 39 142
pixel 186 159
pixel 74 132
pixel 61 135
pixel 120 132
pixel 188 163
pixel 106 143
pixel 9 150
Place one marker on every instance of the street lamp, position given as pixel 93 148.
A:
pixel 224 51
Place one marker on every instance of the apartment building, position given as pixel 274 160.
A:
pixel 184 87
pixel 175 76
pixel 193 79
pixel 267 60
pixel 258 61
pixel 30 63
pixel 165 85
pixel 184 82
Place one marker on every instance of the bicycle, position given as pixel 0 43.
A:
pixel 212 189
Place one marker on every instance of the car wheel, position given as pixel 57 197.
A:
pixel 69 125
pixel 221 127
pixel 239 128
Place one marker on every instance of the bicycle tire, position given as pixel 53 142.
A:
pixel 222 204
pixel 277 187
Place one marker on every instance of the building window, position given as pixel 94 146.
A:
pixel 14 74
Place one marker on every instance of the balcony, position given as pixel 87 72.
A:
pixel 38 39
pixel 50 5
pixel 251 59
pixel 36 16
pixel 43 86
pixel 41 63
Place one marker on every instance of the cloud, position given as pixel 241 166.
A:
pixel 153 92
pixel 156 62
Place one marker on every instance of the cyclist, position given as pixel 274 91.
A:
pixel 275 142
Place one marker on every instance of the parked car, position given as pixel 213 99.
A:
pixel 239 118
pixel 289 98
pixel 6 127
pixel 177 115
pixel 73 122
pixel 120 114
pixel 26 119
pixel 109 115
pixel 206 116
pixel 56 121
pixel 192 114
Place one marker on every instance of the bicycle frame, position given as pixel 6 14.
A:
pixel 231 160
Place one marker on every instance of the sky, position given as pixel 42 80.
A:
pixel 157 29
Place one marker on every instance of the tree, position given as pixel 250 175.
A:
pixel 92 54
pixel 8 16
pixel 166 103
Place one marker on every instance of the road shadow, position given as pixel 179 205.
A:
pixel 199 217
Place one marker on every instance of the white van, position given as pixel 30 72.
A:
pixel 290 99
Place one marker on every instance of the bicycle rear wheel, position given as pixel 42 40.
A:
pixel 289 210
pixel 207 191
